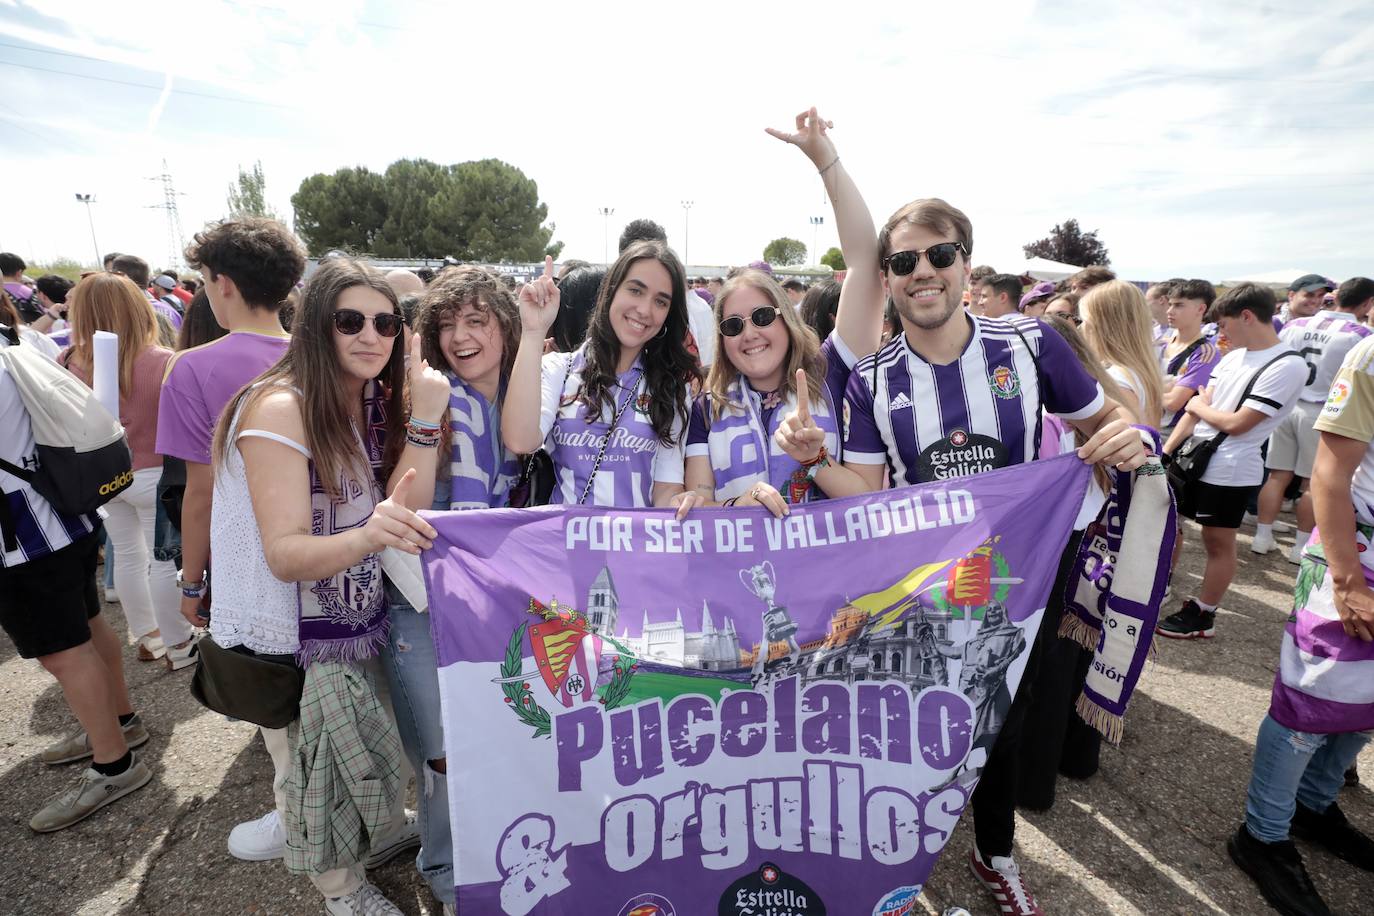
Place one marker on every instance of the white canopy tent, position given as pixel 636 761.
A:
pixel 1038 268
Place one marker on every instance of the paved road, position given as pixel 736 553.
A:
pixel 1146 835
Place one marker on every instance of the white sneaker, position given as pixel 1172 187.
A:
pixel 150 648
pixel 367 900
pixel 1262 544
pixel 389 847
pixel 1295 555
pixel 260 840
pixel 111 596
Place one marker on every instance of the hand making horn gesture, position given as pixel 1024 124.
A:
pixel 429 388
pixel 798 435
pixel 811 137
pixel 539 302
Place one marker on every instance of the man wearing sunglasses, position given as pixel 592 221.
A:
pixel 956 394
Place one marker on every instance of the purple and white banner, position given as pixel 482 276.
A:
pixel 733 713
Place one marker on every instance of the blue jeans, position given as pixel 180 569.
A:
pixel 412 670
pixel 1293 767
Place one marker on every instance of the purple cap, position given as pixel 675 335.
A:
pixel 763 266
pixel 1038 291
pixel 706 295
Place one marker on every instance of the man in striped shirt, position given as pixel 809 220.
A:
pixel 1322 340
pixel 1322 707
pixel 50 609
pixel 956 394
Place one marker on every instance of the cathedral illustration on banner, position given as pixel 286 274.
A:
pixel 855 646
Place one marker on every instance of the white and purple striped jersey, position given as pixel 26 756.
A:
pixel 975 414
pixel 32 528
pixel 1322 341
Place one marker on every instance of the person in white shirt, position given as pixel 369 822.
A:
pixel 1245 315
pixel 1000 295
pixel 1322 340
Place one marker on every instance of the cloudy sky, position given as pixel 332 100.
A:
pixel 1212 139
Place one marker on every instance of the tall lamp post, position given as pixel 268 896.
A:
pixel 606 214
pixel 816 223
pixel 686 231
pixel 89 199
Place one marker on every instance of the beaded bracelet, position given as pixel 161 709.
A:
pixel 421 426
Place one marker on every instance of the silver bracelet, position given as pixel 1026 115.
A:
pixel 830 166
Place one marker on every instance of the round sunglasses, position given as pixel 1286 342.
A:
pixel 940 256
pixel 762 317
pixel 351 322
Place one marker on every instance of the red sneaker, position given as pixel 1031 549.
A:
pixel 1003 880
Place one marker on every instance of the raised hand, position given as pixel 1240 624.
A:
pixel 429 388
pixel 811 137
pixel 393 525
pixel 798 435
pixel 539 303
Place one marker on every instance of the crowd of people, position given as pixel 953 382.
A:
pixel 286 429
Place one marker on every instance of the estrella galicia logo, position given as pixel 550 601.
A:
pixel 1004 382
pixel 770 892
pixel 898 902
pixel 960 454
pixel 648 905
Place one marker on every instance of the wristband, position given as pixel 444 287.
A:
pixel 822 459
pixel 191 589
pixel 422 441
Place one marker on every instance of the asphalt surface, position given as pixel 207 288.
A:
pixel 1146 835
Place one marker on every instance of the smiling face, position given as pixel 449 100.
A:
pixel 1305 303
pixel 364 355
pixel 759 354
pixel 640 305
pixel 926 297
pixel 470 339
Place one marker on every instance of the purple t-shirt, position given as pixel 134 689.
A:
pixel 1193 371
pixel 201 381
pixel 975 414
pixel 736 444
pixel 166 311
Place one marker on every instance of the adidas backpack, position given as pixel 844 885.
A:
pixel 83 457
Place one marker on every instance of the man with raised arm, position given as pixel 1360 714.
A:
pixel 954 382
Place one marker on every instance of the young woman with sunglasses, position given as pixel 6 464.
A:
pixel 467 323
pixel 300 518
pixel 772 363
pixel 613 413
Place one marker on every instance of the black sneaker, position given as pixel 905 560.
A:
pixel 1331 830
pixel 1188 622
pixel 1277 870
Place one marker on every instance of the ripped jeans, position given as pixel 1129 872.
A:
pixel 1293 767
pixel 412 671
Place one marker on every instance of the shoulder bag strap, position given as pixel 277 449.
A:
pixel 1221 437
pixel 1039 391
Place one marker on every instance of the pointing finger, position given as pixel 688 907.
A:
pixel 548 267
pixel 803 399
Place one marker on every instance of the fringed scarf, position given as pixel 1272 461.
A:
pixel 343 618
pixel 1113 596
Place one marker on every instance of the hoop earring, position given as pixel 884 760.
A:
pixel 663 331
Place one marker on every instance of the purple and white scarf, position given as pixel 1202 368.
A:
pixel 741 445
pixel 1112 599
pixel 343 617
pixel 482 469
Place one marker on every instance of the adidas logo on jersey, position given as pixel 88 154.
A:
pixel 900 401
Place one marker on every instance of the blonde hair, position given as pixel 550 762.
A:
pixel 1117 325
pixel 803 347
pixel 114 303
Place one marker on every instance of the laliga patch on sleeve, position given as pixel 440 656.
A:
pixel 1337 398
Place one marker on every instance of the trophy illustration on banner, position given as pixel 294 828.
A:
pixel 777 625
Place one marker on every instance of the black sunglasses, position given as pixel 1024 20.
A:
pixel 762 317
pixel 351 321
pixel 940 256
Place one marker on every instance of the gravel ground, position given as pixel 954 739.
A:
pixel 1146 835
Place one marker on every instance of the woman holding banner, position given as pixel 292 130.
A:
pixel 772 361
pixel 298 525
pixel 613 413
pixel 468 324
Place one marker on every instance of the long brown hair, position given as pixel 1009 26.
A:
pixel 803 347
pixel 1091 362
pixel 668 365
pixel 311 364
pixel 114 303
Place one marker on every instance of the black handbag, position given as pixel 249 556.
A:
pixel 243 684
pixel 1185 467
pixel 536 483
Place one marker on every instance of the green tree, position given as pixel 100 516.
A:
pixel 63 267
pixel 834 259
pixel 1068 244
pixel 345 210
pixel 784 251
pixel 248 196
pixel 411 187
pixel 491 212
